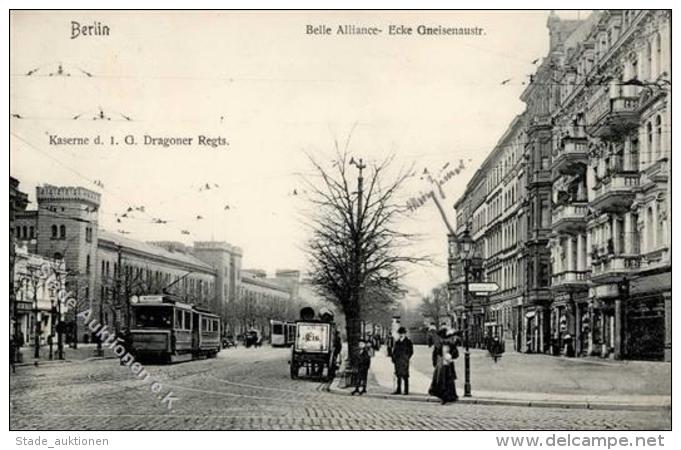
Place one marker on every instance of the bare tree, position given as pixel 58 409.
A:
pixel 355 246
pixel 435 305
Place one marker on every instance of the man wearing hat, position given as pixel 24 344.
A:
pixel 403 350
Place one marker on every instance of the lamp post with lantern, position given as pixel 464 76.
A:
pixel 465 243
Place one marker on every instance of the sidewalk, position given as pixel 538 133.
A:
pixel 84 352
pixel 547 381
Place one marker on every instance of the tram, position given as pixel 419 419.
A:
pixel 163 328
pixel 282 334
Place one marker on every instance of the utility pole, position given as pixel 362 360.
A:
pixel 360 181
pixel 36 342
pixel 358 247
pixel 467 350
pixel 100 352
pixel 75 316
pixel 60 327
pixel 119 251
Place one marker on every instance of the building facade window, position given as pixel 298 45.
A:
pixel 55 232
pixel 649 61
pixel 658 137
pixel 658 55
pixel 649 229
pixel 62 231
pixel 661 223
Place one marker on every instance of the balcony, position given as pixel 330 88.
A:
pixel 657 172
pixel 612 268
pixel 569 217
pixel 656 260
pixel 608 116
pixel 570 281
pixel 616 191
pixel 570 157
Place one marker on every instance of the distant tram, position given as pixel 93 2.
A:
pixel 165 329
pixel 282 334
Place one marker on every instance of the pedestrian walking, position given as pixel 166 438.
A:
pixel 12 353
pixel 403 349
pixel 389 345
pixel 363 364
pixel 376 342
pixel 443 384
pixel 337 347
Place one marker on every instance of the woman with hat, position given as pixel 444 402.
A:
pixel 443 385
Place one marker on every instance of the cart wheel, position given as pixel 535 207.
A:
pixel 294 371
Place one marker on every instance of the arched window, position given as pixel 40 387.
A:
pixel 17 233
pixel 54 232
pixel 57 256
pixel 87 264
pixel 31 233
pixel 24 233
pixel 62 232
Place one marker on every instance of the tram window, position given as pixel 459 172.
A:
pixel 277 328
pixel 203 324
pixel 178 319
pixel 187 320
pixel 153 317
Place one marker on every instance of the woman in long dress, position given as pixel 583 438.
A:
pixel 443 385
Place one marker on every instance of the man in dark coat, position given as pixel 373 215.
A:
pixel 403 350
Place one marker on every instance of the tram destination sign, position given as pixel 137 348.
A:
pixel 483 288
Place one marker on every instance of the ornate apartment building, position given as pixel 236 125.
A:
pixel 592 244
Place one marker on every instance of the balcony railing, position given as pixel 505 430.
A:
pixel 570 278
pixel 572 146
pixel 617 189
pixel 614 266
pixel 570 155
pixel 658 171
pixel 569 212
pixel 607 116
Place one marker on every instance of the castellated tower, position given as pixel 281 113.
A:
pixel 226 260
pixel 67 228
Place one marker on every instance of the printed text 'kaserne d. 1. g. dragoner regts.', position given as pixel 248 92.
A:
pixel 145 140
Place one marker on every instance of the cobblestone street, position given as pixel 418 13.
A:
pixel 251 389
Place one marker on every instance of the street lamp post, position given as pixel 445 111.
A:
pixel 465 252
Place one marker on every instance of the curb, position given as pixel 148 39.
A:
pixel 333 388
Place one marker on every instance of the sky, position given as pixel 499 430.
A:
pixel 276 95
